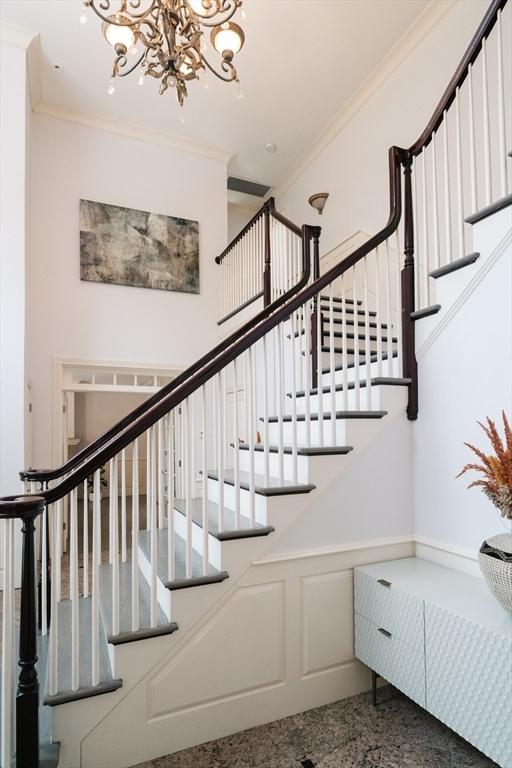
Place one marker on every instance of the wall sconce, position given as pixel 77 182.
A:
pixel 318 201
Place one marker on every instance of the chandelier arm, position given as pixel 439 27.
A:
pixel 123 73
pixel 226 66
pixel 105 6
pixel 210 18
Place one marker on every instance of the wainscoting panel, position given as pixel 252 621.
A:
pixel 327 621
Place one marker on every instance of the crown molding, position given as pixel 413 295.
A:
pixel 131 131
pixel 12 34
pixel 413 36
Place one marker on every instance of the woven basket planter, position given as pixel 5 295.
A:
pixel 495 558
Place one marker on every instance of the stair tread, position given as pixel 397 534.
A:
pixel 378 381
pixel 349 350
pixel 373 359
pixel 337 300
pixel 230 531
pixel 339 335
pixel 302 450
pixel 453 266
pixel 180 580
pixel 107 681
pixel 274 486
pixel 349 309
pixel 327 415
pixel 433 309
pixel 483 213
pixel 126 634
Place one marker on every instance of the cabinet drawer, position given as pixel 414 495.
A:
pixel 387 606
pixel 396 661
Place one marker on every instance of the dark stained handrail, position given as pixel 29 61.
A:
pixel 460 75
pixel 253 331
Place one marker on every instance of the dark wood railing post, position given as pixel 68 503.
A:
pixel 316 341
pixel 410 366
pixel 267 280
pixel 27 696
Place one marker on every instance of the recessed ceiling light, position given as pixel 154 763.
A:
pixel 57 67
pixel 270 147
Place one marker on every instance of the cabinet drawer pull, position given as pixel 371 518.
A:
pixel 384 582
pixel 384 632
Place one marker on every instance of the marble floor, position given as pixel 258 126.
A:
pixel 348 734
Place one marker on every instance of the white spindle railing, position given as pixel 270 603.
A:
pixel 471 172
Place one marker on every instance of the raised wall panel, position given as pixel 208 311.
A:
pixel 327 621
pixel 241 649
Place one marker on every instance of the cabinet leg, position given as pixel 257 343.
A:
pixel 374 688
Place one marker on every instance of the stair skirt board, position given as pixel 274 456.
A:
pixel 230 531
pixel 85 688
pixel 378 381
pixel 180 580
pixel 453 266
pixel 483 213
pixel 126 634
pixel 419 314
pixel 274 487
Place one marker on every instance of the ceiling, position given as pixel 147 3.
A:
pixel 301 62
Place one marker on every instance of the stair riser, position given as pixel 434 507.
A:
pixel 375 370
pixel 338 357
pixel 214 545
pixel 303 465
pixel 163 594
pixel 348 432
pixel 260 502
pixel 382 398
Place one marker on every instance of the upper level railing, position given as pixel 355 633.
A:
pixel 459 164
pixel 233 422
pixel 262 262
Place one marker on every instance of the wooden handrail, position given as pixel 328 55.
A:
pixel 227 352
pixel 460 75
pixel 270 206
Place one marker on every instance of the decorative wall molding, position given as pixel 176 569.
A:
pixel 449 315
pixel 412 37
pixel 356 546
pixel 131 131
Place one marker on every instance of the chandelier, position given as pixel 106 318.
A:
pixel 166 39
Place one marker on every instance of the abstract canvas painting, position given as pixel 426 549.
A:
pixel 129 247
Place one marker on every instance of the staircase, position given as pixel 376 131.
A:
pixel 241 444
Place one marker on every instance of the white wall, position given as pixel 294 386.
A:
pixel 353 168
pixel 464 376
pixel 14 200
pixel 81 320
pixel 237 219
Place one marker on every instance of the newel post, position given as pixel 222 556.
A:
pixel 267 283
pixel 316 338
pixel 410 366
pixel 27 695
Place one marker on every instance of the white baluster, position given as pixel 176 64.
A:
pixel 447 200
pixel 295 469
pixel 171 495
pixel 472 143
pixel 44 571
pixel 96 560
pixel 460 181
pixel 487 131
pixel 115 550
pixel 357 372
pixel 152 513
pixel 378 308
pixel 220 451
pixel 236 445
pixel 135 535
pixel 74 594
pixel 266 454
pixel 123 506
pixel 205 475
pixel 367 342
pixel 160 474
pixel 332 366
pixel 85 542
pixel 435 206
pixel 501 112
pixel 426 255
pixel 280 410
pixel 389 328
pixel 319 346
pixel 148 479
pixel 344 353
pixel 306 309
pixel 252 480
pixel 398 283
pixel 8 621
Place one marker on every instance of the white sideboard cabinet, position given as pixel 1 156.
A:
pixel 441 638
